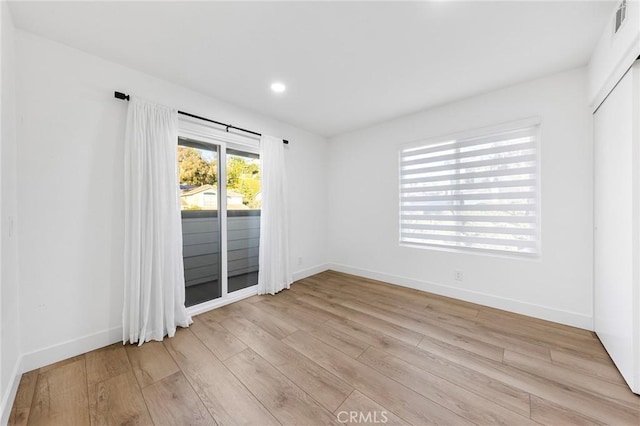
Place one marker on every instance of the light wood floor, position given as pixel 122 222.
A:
pixel 337 346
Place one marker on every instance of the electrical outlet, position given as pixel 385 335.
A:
pixel 299 261
pixel 457 275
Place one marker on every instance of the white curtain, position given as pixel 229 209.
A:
pixel 274 274
pixel 154 278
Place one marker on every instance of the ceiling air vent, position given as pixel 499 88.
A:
pixel 621 14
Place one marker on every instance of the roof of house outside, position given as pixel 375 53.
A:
pixel 208 187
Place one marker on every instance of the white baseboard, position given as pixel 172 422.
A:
pixel 70 348
pixel 9 394
pixel 512 305
pixel 298 275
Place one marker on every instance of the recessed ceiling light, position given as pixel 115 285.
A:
pixel 278 87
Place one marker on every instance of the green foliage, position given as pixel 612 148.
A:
pixel 249 188
pixel 243 174
pixel 195 170
pixel 239 169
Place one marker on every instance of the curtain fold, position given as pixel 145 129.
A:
pixel 154 276
pixel 274 274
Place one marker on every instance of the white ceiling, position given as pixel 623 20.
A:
pixel 346 64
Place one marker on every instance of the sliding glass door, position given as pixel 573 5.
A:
pixel 220 199
pixel 199 166
pixel 243 218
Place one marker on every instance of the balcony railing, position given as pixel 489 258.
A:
pixel 201 250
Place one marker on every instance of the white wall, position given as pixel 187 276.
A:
pixel 10 337
pixel 70 192
pixel 614 54
pixel 363 200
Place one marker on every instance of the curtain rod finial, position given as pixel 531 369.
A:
pixel 120 95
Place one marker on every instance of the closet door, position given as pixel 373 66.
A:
pixel 616 225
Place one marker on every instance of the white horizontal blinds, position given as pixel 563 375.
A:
pixel 477 192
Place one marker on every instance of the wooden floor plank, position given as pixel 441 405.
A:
pixel 337 339
pixel 466 333
pixel 603 389
pixel 266 345
pixel 331 336
pixel 537 335
pixel 406 294
pixel 256 298
pixel 412 303
pixel 564 395
pixel 482 385
pixel 524 326
pixel 547 413
pixel 487 334
pixel 380 298
pixel 287 402
pixel 440 306
pixel 228 400
pixel 285 312
pixel 429 328
pixel 60 397
pixel 150 362
pixel 512 316
pixel 311 377
pixel 61 363
pixel 408 404
pixel 603 369
pixel 172 401
pixel 542 335
pixel 358 409
pixel 507 396
pixel 457 399
pixel 216 315
pixel 334 286
pixel 289 297
pixel 275 326
pixel 118 401
pixel 402 333
pixel 105 363
pixel 22 403
pixel 337 345
pixel 288 305
pixel 215 337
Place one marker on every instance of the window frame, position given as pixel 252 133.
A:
pixel 480 132
pixel 207 133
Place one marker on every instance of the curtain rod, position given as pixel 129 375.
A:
pixel 125 97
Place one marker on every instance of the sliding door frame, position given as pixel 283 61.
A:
pixel 202 131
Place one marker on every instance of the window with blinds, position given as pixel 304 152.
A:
pixel 478 192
